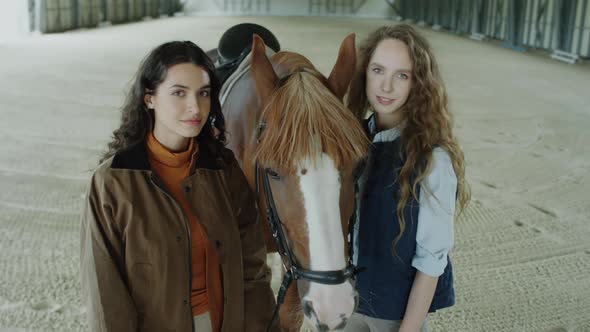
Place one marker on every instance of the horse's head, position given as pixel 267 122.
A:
pixel 309 149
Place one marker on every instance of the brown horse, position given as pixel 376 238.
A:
pixel 308 147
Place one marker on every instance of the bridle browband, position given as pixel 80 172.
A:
pixel 293 270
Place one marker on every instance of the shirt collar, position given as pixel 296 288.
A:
pixel 388 135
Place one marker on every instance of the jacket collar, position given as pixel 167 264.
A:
pixel 136 158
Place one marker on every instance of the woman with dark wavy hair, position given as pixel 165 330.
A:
pixel 170 235
pixel 415 177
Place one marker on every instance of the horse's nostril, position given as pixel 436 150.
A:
pixel 323 328
pixel 307 308
pixel 341 325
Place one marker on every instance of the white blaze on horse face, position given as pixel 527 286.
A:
pixel 320 185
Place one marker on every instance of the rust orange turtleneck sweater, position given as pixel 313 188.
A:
pixel 206 292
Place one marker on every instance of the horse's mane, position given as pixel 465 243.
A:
pixel 304 119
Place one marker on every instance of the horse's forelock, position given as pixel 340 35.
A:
pixel 303 119
pixel 285 63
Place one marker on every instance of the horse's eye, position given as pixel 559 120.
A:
pixel 274 175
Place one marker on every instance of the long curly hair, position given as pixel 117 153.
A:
pixel 428 122
pixel 137 120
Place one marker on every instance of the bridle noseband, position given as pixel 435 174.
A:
pixel 293 270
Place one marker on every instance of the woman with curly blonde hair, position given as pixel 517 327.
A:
pixel 409 190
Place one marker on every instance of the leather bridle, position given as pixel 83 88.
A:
pixel 293 269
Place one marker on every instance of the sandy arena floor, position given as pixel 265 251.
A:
pixel 522 255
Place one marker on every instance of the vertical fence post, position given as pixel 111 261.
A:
pixel 74 14
pixel 568 28
pixel 104 10
pixel 582 25
pixel 532 4
pixel 515 25
pixel 31 8
pixel 38 11
pixel 563 31
pixel 541 23
pixel 478 18
pixel 58 17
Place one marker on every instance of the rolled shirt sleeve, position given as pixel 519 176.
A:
pixel 435 234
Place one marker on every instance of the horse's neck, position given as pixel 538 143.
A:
pixel 241 108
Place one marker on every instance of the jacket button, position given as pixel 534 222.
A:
pixel 185 302
pixel 187 189
pixel 217 243
pixel 178 238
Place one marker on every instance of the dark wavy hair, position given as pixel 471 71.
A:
pixel 137 120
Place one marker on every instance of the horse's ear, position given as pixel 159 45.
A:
pixel 264 76
pixel 344 68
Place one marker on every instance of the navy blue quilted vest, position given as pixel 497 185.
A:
pixel 384 286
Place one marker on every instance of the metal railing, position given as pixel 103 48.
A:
pixel 561 27
pixel 334 7
pixel 62 15
pixel 245 7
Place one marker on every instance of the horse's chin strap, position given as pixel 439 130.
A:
pixel 293 271
pixel 323 277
